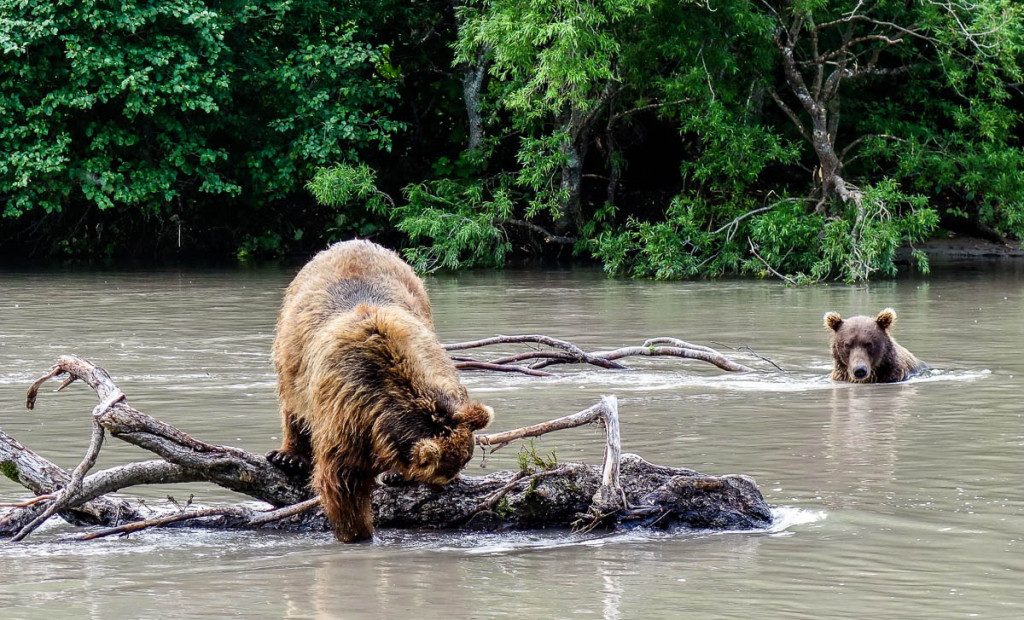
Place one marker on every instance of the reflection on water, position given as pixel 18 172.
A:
pixel 891 501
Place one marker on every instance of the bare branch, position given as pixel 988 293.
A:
pixel 819 69
pixel 579 354
pixel 643 108
pixel 844 50
pixel 740 218
pixel 548 237
pixel 63 499
pixel 791 114
pixel 28 502
pixel 254 518
pixel 587 416
pixel 159 521
pixel 675 342
pixel 712 357
pixel 753 250
pixel 532 355
pixel 475 365
pixel 854 144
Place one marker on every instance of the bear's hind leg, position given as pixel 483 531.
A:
pixel 345 495
pixel 294 455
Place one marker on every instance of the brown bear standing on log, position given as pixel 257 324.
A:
pixel 864 351
pixel 365 386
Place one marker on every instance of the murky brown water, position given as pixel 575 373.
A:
pixel 894 501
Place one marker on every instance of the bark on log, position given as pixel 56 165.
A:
pixel 622 492
pixel 25 467
pixel 668 497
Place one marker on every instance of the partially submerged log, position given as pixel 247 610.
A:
pixel 623 492
pixel 565 352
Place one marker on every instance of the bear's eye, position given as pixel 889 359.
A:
pixel 867 345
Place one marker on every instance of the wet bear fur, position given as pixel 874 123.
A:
pixel 864 351
pixel 364 384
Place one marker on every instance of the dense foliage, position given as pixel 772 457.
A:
pixel 144 117
pixel 808 139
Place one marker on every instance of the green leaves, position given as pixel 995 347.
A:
pixel 949 135
pixel 551 55
pixel 645 133
pixel 154 109
pixel 107 107
pixel 456 224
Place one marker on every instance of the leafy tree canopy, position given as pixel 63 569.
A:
pixel 808 139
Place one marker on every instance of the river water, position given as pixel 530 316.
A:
pixel 891 501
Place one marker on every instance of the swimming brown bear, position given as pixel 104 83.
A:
pixel 365 386
pixel 864 351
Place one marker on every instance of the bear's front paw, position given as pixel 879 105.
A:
pixel 289 462
pixel 391 478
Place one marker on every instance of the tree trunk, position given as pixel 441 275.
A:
pixel 578 128
pixel 472 82
pixel 571 185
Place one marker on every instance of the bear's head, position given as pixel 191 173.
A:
pixel 861 344
pixel 438 460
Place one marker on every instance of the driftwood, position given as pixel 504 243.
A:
pixel 624 491
pixel 564 352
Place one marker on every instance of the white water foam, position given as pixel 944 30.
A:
pixel 648 381
pixel 54 539
pixel 786 517
pixel 783 519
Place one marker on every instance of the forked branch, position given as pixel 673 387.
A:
pixel 564 352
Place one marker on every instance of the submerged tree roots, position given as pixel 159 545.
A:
pixel 624 491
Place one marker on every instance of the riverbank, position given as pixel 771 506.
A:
pixel 956 249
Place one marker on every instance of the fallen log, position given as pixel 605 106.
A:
pixel 625 491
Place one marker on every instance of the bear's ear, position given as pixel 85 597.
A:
pixel 426 453
pixel 475 416
pixel 833 321
pixel 886 318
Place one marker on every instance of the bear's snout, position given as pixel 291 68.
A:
pixel 860 372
